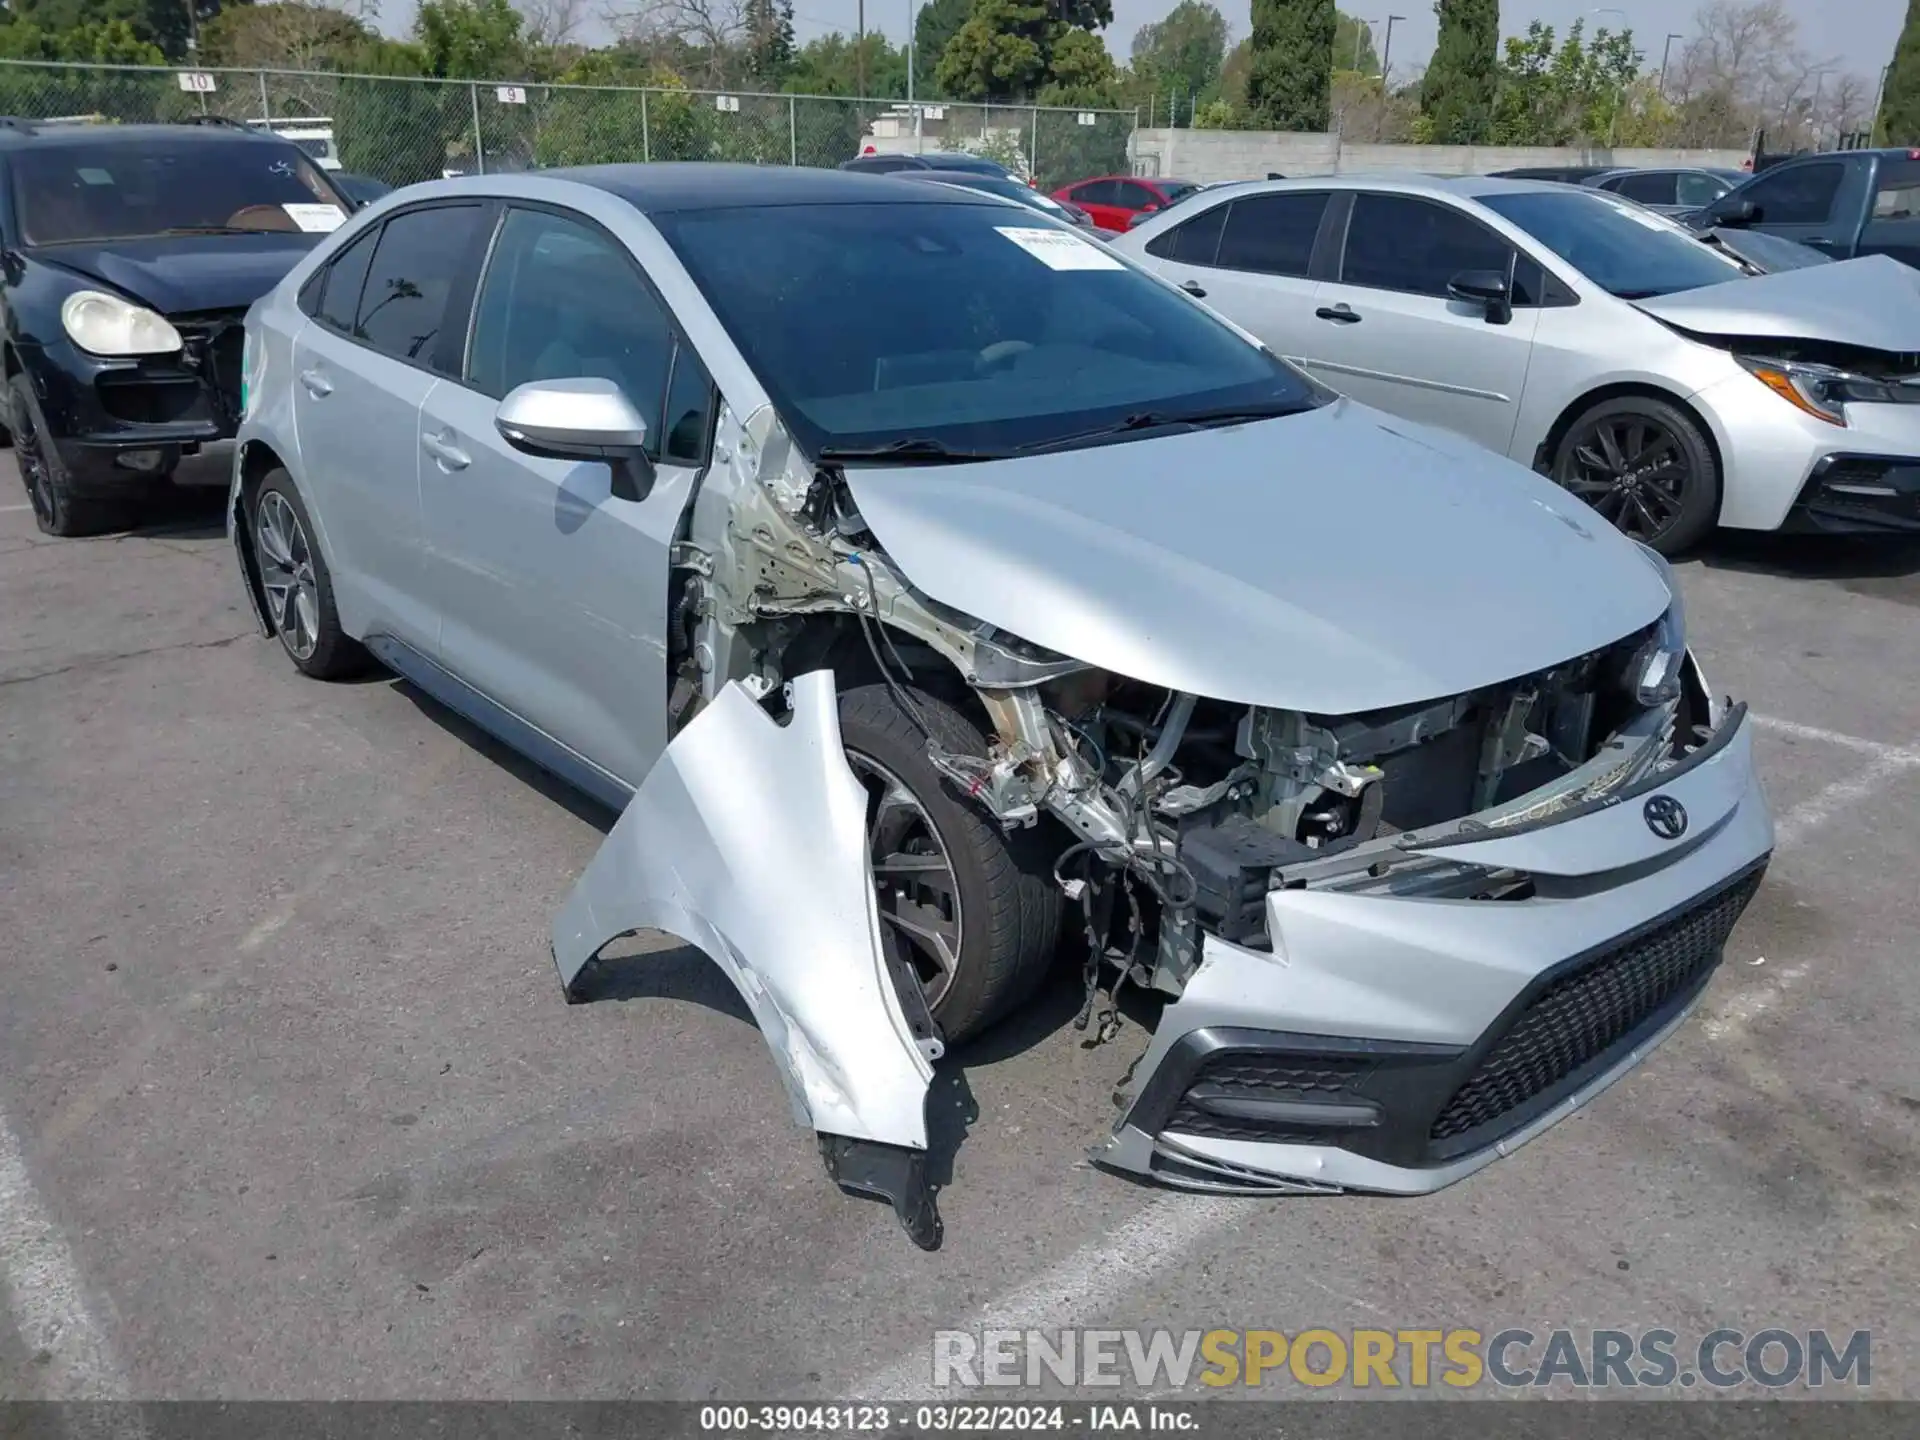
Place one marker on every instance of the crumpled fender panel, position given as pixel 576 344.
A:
pixel 748 839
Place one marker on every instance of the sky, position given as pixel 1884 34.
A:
pixel 1857 34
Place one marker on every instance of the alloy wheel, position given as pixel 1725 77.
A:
pixel 286 573
pixel 33 465
pixel 1631 469
pixel 914 883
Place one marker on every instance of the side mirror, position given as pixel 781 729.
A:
pixel 1733 212
pixel 1487 288
pixel 583 419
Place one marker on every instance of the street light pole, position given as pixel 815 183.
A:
pixel 1386 55
pixel 913 24
pixel 1813 108
pixel 860 54
pixel 1666 54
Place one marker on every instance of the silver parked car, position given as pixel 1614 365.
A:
pixel 906 634
pixel 1642 369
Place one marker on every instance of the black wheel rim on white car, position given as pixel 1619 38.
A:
pixel 1632 469
pixel 917 892
pixel 286 574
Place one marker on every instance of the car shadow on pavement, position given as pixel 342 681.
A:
pixel 1814 557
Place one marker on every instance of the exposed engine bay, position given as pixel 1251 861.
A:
pixel 1168 823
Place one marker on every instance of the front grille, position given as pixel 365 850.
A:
pixel 1267 1076
pixel 1581 1015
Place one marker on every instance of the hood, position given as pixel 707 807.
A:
pixel 1769 252
pixel 179 274
pixel 1873 302
pixel 1332 562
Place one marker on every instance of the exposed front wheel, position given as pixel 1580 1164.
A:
pixel 1645 466
pixel 56 509
pixel 973 909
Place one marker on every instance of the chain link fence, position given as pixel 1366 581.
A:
pixel 403 129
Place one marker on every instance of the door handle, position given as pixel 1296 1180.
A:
pixel 1341 314
pixel 1194 290
pixel 442 448
pixel 317 384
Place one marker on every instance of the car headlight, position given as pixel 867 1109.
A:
pixel 1824 391
pixel 1655 668
pixel 103 324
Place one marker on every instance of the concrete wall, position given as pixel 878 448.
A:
pixel 1211 155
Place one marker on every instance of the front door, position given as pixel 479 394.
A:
pixel 1392 336
pixel 554 591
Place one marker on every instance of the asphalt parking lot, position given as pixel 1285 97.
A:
pixel 290 1105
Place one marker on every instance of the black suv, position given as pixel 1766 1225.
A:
pixel 877 164
pixel 128 257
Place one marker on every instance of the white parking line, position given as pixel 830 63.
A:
pixel 1096 1274
pixel 1105 1269
pixel 9 509
pixel 1797 731
pixel 43 1284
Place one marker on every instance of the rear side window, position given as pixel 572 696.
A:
pixel 1654 188
pixel 1699 189
pixel 1797 194
pixel 1272 234
pixel 1896 195
pixel 1098 192
pixel 1399 242
pixel 1195 243
pixel 403 304
pixel 342 282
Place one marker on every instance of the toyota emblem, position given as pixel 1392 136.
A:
pixel 1665 817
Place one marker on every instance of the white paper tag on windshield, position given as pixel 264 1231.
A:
pixel 316 218
pixel 1058 250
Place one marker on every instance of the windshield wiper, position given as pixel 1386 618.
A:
pixel 1163 419
pixel 914 450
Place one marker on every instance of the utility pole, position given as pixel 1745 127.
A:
pixel 860 55
pixel 1879 94
pixel 913 24
pixel 1666 54
pixel 1386 55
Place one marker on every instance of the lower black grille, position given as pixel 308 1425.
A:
pixel 1266 1077
pixel 1581 1015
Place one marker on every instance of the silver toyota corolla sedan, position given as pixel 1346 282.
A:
pixel 1641 369
pixel 1032 601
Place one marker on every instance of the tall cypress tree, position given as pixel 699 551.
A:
pixel 1457 94
pixel 1899 120
pixel 1292 69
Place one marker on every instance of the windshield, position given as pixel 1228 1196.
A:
pixel 1625 252
pixel 120 189
pixel 962 326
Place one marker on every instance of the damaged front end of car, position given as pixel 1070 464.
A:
pixel 1384 946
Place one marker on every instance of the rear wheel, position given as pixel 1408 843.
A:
pixel 973 908
pixel 1645 466
pixel 298 587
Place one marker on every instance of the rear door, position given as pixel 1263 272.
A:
pixel 1893 223
pixel 1101 200
pixel 555 589
pixel 1390 334
pixel 1649 187
pixel 362 368
pixel 1251 260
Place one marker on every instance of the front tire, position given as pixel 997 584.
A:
pixel 56 509
pixel 973 907
pixel 297 585
pixel 1646 467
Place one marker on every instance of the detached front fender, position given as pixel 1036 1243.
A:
pixel 748 839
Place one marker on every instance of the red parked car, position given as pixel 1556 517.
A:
pixel 1113 200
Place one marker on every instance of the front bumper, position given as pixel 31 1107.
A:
pixel 1779 464
pixel 103 413
pixel 1396 1044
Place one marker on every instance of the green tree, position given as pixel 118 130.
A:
pixel 1457 95
pixel 1353 45
pixel 937 22
pixel 164 24
pixel 1899 120
pixel 1183 53
pixel 1292 64
pixel 1558 94
pixel 390 128
pixel 769 27
pixel 830 65
pixel 471 39
pixel 98 42
pixel 1005 50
